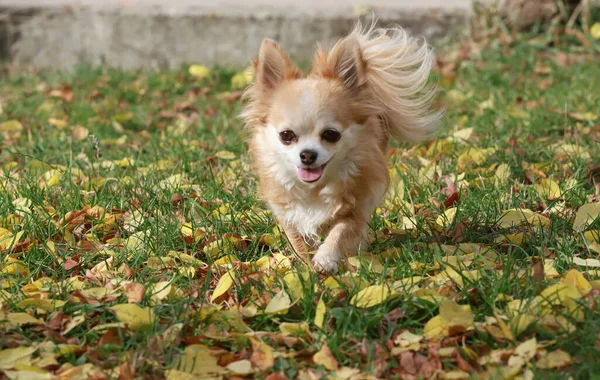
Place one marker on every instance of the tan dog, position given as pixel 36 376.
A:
pixel 319 142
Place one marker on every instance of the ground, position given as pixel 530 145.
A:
pixel 133 245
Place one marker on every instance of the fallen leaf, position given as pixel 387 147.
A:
pixel 199 71
pixel 325 358
pixel 553 360
pixel 586 215
pixel 134 292
pixel 262 354
pixel 11 126
pixel 225 282
pixel 80 133
pixel 12 357
pixel 198 360
pixel 241 367
pixel 452 317
pixel 548 189
pixel 371 296
pixel 320 313
pixel 134 316
pixel 280 304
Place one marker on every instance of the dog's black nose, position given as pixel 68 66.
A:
pixel 308 156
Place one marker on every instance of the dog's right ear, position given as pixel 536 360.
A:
pixel 273 66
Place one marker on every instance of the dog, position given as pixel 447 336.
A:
pixel 318 143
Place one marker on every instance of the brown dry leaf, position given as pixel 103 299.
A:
pixel 135 292
pixel 80 133
pixel 325 358
pixel 262 354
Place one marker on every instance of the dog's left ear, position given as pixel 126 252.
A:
pixel 273 66
pixel 344 62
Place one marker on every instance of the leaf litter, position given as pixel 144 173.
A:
pixel 145 254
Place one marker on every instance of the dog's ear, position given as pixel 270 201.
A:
pixel 273 66
pixel 344 62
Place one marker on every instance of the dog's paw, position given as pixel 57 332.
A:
pixel 326 261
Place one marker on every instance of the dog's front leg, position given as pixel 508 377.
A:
pixel 297 242
pixel 344 238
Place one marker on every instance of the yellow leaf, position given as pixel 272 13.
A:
pixel 554 359
pixel 325 358
pixel 320 313
pixel 514 217
pixel 586 215
pixel 11 357
pixel 456 375
pixel 294 329
pixel 502 173
pixel 134 316
pixel 198 360
pixel 591 263
pixel 575 278
pixel 45 304
pixel 58 123
pixel 241 80
pixel 11 126
pixel 520 322
pixel 199 71
pixel 280 304
pixel 12 320
pixel 523 353
pixel 29 373
pixel 225 155
pixel 225 282
pixel 241 367
pixel 13 266
pixel 447 218
pixel 452 316
pixel 371 296
pixel 171 183
pixel 406 338
pixel 548 189
pixel 8 239
pixel 595 31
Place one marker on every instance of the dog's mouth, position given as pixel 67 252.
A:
pixel 310 174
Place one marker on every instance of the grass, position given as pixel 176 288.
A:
pixel 125 186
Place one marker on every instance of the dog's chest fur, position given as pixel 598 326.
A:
pixel 311 214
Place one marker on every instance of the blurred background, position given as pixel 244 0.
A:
pixel 60 34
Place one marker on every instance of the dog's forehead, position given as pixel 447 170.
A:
pixel 304 104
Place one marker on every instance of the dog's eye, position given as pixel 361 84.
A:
pixel 331 135
pixel 287 137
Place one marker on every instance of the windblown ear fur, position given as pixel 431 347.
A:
pixel 344 62
pixel 273 66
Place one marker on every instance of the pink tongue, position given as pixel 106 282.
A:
pixel 309 175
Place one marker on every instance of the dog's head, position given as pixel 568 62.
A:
pixel 308 129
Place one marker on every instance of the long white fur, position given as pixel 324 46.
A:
pixel 398 67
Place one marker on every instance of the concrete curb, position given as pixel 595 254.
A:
pixel 58 35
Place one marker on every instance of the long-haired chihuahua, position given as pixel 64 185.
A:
pixel 318 142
